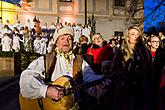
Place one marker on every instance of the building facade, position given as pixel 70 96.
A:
pixel 112 16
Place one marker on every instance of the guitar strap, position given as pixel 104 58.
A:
pixel 40 103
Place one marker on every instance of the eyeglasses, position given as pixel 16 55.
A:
pixel 155 41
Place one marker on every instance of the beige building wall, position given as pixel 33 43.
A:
pixel 109 18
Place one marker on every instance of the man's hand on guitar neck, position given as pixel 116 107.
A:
pixel 102 88
pixel 55 92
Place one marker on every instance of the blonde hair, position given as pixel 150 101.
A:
pixel 127 50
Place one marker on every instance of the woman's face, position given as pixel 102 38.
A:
pixel 133 36
pixel 98 40
pixel 113 43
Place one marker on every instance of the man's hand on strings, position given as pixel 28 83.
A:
pixel 55 92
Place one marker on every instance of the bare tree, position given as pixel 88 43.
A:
pixel 156 11
pixel 135 12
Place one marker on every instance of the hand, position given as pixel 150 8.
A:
pixel 55 92
pixel 101 90
pixel 107 82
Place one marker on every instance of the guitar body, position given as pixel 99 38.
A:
pixel 66 103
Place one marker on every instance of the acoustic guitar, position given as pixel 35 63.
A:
pixel 67 102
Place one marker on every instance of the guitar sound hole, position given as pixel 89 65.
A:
pixel 55 100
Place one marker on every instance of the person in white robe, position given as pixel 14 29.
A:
pixel 6 43
pixel 37 44
pixel 87 32
pixel 16 42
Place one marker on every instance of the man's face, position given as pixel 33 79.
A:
pixel 64 43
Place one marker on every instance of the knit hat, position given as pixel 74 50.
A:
pixel 62 31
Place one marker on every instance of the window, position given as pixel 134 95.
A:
pixel 29 0
pixel 65 0
pixel 118 33
pixel 119 2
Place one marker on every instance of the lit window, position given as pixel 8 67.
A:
pixel 65 0
pixel 119 2
pixel 118 33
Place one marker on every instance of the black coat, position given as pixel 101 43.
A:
pixel 133 89
pixel 159 63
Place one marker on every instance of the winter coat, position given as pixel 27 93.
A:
pixel 133 88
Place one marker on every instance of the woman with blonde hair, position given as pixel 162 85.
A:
pixel 133 88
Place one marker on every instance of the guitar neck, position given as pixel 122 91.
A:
pixel 114 75
pixel 83 86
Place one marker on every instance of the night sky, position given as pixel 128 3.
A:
pixel 154 13
pixel 16 2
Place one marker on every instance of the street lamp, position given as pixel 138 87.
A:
pixel 85 12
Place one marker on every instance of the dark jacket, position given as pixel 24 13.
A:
pixel 158 65
pixel 159 62
pixel 133 88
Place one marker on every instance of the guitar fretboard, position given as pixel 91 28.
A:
pixel 83 86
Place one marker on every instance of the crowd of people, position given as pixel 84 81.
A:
pixel 81 71
pixel 34 36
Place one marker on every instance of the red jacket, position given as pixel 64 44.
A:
pixel 100 54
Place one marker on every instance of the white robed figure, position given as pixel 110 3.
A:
pixel 16 43
pixel 43 45
pixel 87 32
pixel 37 44
pixel 77 33
pixel 6 43
pixel 50 45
